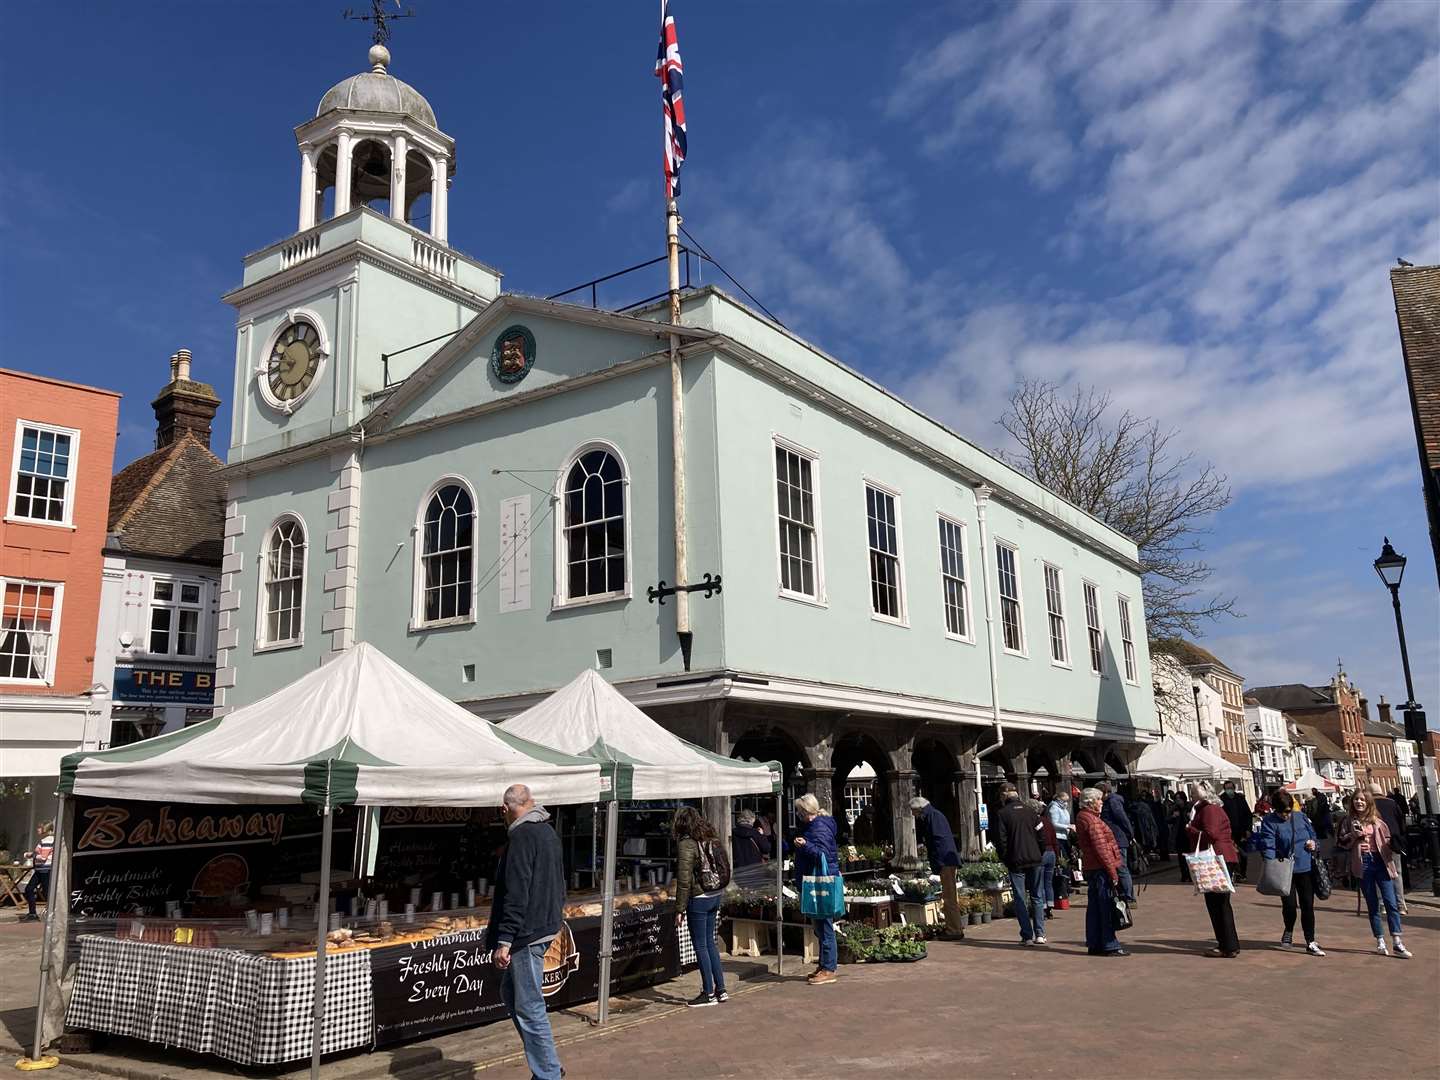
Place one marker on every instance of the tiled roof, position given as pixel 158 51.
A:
pixel 1378 729
pixel 1290 696
pixel 1417 308
pixel 1325 750
pixel 1189 654
pixel 170 504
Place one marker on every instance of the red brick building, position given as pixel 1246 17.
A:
pixel 1337 711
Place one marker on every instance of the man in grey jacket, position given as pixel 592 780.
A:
pixel 524 919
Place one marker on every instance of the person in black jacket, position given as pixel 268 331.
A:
pixel 748 845
pixel 1393 814
pixel 1112 813
pixel 525 917
pixel 933 830
pixel 1017 839
pixel 1242 821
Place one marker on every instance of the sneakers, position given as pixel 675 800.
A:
pixel 1314 950
pixel 822 978
pixel 1400 950
pixel 1380 949
pixel 1027 941
pixel 699 1001
pixel 1040 940
pixel 1286 941
pixel 722 997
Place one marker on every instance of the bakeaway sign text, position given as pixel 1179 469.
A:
pixel 449 982
pixel 131 857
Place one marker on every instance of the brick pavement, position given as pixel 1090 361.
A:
pixel 986 1008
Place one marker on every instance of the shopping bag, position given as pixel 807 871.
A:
pixel 1276 877
pixel 1208 872
pixel 1322 877
pixel 822 895
pixel 1123 919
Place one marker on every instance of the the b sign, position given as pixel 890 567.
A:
pixel 164 686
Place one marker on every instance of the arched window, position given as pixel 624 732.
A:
pixel 283 569
pixel 447 555
pixel 594 528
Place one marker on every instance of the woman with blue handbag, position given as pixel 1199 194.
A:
pixel 817 871
pixel 1286 834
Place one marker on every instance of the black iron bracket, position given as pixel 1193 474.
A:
pixel 709 586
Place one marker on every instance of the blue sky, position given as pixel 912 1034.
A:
pixel 1193 206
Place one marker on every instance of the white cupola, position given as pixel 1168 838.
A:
pixel 374 139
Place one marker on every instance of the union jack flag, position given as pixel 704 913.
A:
pixel 671 72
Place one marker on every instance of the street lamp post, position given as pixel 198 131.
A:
pixel 1390 565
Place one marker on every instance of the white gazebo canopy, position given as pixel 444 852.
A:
pixel 357 730
pixel 1310 780
pixel 1182 758
pixel 590 718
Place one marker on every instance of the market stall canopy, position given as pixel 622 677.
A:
pixel 590 717
pixel 358 730
pixel 1175 755
pixel 1310 780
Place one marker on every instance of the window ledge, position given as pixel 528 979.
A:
pixel 959 638
pixel 1020 653
pixel 904 624
pixel 280 646
pixel 27 682
pixel 1066 664
pixel 590 601
pixel 41 522
pixel 440 624
pixel 801 598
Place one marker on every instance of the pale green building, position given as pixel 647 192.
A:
pixel 482 485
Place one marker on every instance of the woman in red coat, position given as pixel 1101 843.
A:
pixel 1101 859
pixel 1210 827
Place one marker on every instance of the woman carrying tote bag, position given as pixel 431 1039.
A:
pixel 1287 837
pixel 1210 829
pixel 816 856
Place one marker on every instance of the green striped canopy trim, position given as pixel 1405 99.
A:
pixel 615 777
pixel 140 751
pixel 332 775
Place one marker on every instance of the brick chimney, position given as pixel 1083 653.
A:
pixel 183 405
pixel 1383 709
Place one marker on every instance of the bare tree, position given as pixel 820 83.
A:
pixel 1123 470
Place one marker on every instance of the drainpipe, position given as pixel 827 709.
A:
pixel 982 499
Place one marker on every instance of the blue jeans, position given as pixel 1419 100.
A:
pixel 520 990
pixel 39 882
pixel 1377 880
pixel 1127 886
pixel 1047 879
pixel 1100 913
pixel 829 955
pixel 700 916
pixel 1029 907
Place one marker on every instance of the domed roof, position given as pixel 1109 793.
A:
pixel 377 90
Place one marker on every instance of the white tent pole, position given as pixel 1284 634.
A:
pixel 322 927
pixel 777 834
pixel 607 905
pixel 58 878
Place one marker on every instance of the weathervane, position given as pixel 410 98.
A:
pixel 380 19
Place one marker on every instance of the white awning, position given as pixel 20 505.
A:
pixel 1177 756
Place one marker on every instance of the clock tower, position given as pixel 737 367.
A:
pixel 345 308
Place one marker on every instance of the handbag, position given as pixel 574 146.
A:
pixel 1209 872
pixel 1323 884
pixel 1123 918
pixel 822 895
pixel 1277 875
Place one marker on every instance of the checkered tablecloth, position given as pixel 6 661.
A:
pixel 247 1007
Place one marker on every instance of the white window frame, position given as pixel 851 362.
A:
pixel 1063 660
pixel 560 597
pixel 417 552
pixel 966 608
pixel 820 599
pixel 1129 659
pixel 1098 628
pixel 176 606
pixel 904 617
pixel 262 642
pixel 47 677
pixel 1014 549
pixel 68 520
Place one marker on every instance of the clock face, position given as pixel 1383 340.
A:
pixel 294 361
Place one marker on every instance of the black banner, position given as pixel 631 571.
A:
pixel 437 847
pixel 426 987
pixel 130 858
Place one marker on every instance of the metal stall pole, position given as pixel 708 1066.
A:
pixel 322 927
pixel 59 877
pixel 778 834
pixel 607 906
